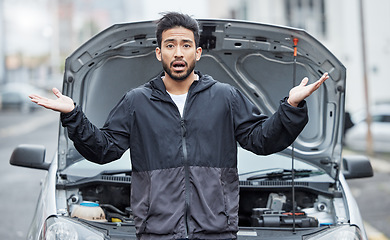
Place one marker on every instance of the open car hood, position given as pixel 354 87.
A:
pixel 255 58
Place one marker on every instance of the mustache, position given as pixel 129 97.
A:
pixel 178 60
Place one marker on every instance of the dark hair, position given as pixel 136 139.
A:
pixel 175 19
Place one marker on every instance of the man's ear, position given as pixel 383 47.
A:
pixel 158 53
pixel 198 53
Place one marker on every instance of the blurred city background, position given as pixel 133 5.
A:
pixel 36 36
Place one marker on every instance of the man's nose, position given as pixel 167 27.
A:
pixel 178 52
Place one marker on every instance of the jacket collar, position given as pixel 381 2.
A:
pixel 159 90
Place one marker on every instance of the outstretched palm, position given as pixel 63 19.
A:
pixel 300 92
pixel 62 104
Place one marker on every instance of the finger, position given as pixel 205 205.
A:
pixel 324 77
pixel 45 102
pixel 57 92
pixel 304 81
pixel 34 100
pixel 35 97
pixel 45 105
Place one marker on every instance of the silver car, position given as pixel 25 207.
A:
pixel 299 193
pixel 356 136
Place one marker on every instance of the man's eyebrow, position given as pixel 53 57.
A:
pixel 174 40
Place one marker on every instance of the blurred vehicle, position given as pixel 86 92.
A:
pixel 356 136
pixel 15 96
pixel 309 199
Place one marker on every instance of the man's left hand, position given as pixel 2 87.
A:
pixel 300 92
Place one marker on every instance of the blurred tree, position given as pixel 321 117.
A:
pixel 89 29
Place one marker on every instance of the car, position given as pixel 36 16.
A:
pixel 298 193
pixel 356 136
pixel 15 96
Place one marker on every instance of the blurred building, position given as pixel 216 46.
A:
pixel 52 29
pixel 2 44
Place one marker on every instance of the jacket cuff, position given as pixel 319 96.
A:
pixel 301 105
pixel 69 117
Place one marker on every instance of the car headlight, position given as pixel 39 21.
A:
pixel 345 232
pixel 67 229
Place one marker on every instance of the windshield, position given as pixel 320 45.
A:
pixel 248 162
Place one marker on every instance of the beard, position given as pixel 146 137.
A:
pixel 178 76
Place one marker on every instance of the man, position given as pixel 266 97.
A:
pixel 182 129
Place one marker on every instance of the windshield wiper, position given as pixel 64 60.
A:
pixel 118 171
pixel 106 176
pixel 285 173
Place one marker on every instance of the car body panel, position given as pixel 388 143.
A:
pixel 353 209
pixel 46 204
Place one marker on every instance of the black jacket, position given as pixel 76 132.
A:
pixel 184 179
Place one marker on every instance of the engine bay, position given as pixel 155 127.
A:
pixel 260 206
pixel 274 208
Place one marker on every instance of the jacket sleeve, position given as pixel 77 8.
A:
pixel 266 135
pixel 99 145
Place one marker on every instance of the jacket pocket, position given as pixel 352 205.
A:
pixel 210 205
pixel 229 179
pixel 140 199
pixel 164 214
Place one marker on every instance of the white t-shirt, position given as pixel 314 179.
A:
pixel 180 101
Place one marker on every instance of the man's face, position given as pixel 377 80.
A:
pixel 178 53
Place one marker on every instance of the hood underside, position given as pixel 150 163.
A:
pixel 255 58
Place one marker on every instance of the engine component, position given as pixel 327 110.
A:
pixel 276 201
pixel 89 211
pixel 322 210
pixel 262 217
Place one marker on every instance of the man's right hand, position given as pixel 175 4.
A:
pixel 62 104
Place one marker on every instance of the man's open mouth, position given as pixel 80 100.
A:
pixel 179 66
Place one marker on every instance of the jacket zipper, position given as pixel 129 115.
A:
pixel 186 174
pixel 186 167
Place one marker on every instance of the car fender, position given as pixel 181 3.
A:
pixel 355 217
pixel 46 205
